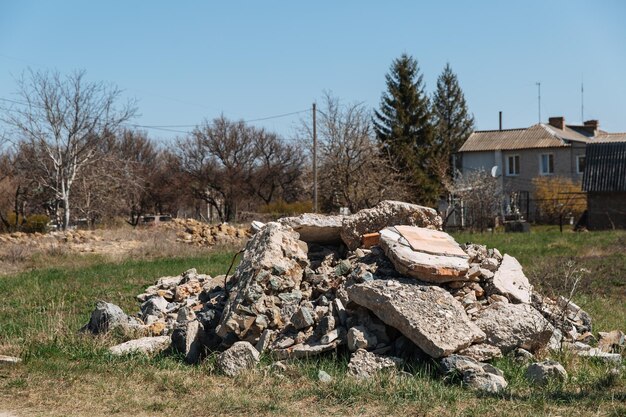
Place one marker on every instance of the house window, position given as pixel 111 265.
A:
pixel 580 164
pixel 512 165
pixel 547 164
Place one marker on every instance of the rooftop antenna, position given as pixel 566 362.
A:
pixel 538 83
pixel 582 100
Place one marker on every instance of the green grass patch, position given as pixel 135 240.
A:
pixel 66 373
pixel 552 260
pixel 44 308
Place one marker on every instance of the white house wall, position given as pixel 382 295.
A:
pixel 475 161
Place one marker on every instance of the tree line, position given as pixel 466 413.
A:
pixel 70 153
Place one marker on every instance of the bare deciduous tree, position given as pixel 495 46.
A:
pixel 481 196
pixel 62 121
pixel 352 172
pixel 279 168
pixel 219 159
pixel 229 163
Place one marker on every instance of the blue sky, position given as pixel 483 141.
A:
pixel 187 61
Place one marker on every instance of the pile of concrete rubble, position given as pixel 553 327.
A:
pixel 35 239
pixel 385 283
pixel 197 233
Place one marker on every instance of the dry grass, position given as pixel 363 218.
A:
pixel 65 373
pixel 103 245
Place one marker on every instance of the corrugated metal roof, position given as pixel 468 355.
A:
pixel 605 167
pixel 570 132
pixel 537 136
pixel 610 137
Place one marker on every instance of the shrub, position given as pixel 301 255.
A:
pixel 558 197
pixel 281 208
pixel 35 223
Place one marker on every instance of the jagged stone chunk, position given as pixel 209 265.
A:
pixel 236 359
pixel 541 373
pixel 187 339
pixel 316 228
pixel 106 317
pixel 364 364
pixel 145 345
pixel 510 281
pixel 484 382
pixel 274 261
pixel 427 315
pixel 509 326
pixel 482 352
pixel 385 214
pixel 9 360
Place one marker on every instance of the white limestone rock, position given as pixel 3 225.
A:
pixel 238 358
pixel 145 345
pixel 510 281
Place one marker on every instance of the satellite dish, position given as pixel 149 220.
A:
pixel 494 171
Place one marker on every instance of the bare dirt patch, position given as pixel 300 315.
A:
pixel 24 251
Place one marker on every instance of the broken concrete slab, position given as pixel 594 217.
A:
pixel 9 360
pixel 420 264
pixel 510 281
pixel 482 352
pixel 303 350
pixel 238 358
pixel 476 375
pixel 509 326
pixel 107 316
pixel 187 339
pixel 484 382
pixel 385 214
pixel 359 337
pixel 271 268
pixel 144 345
pixel 615 358
pixel 364 364
pixel 541 373
pixel 435 242
pixel 428 315
pixel 316 228
pixel 613 341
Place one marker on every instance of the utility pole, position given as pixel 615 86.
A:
pixel 539 98
pixel 314 159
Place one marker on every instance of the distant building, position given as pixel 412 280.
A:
pixel 605 184
pixel 517 156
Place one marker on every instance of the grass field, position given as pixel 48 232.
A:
pixel 64 373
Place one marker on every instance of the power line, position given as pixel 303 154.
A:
pixel 245 121
pixel 277 116
pixel 172 127
pixel 19 102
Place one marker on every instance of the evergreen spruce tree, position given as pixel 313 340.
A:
pixel 452 122
pixel 404 129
